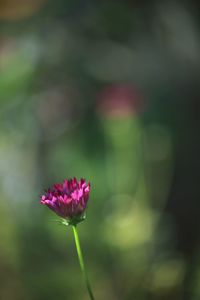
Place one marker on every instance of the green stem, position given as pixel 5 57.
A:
pixel 81 262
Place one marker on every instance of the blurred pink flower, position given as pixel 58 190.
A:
pixel 68 199
pixel 119 101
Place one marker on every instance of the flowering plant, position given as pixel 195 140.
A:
pixel 69 200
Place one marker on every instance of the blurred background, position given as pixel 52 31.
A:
pixel 108 91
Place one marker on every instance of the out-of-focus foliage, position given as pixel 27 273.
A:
pixel 108 91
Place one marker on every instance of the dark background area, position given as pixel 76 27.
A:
pixel 108 91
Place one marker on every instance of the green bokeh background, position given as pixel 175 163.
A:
pixel 140 238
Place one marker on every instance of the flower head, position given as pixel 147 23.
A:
pixel 119 101
pixel 68 199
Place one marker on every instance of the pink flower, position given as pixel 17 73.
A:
pixel 68 199
pixel 119 101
